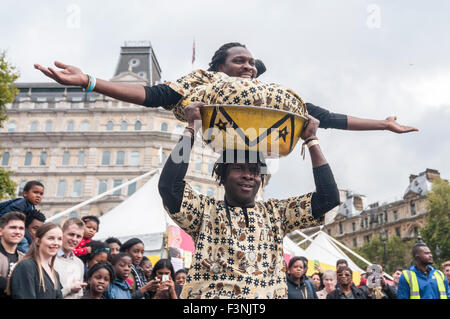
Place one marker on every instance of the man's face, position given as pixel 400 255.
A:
pixel 33 227
pixel 424 255
pixel 34 195
pixel 239 63
pixel 242 183
pixel 13 232
pixel 72 237
pixel 396 275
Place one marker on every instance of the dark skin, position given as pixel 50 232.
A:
pixel 424 258
pixel 345 281
pixel 239 62
pixel 34 194
pixel 241 186
pixel 297 270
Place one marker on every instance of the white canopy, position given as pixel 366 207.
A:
pixel 324 250
pixel 142 215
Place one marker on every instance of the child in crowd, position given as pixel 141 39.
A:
pixel 98 254
pixel 91 226
pixel 119 288
pixel 180 277
pixel 163 273
pixel 134 247
pixel 33 221
pixel 99 278
pixel 114 246
pixel 32 196
pixel 147 267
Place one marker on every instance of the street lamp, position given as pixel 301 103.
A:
pixel 383 237
pixel 438 254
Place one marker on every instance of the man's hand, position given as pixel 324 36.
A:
pixel 192 113
pixel 69 75
pixel 393 126
pixel 311 128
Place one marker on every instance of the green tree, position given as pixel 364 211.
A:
pixel 8 76
pixel 398 253
pixel 436 231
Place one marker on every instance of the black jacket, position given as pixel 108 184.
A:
pixel 339 294
pixel 296 291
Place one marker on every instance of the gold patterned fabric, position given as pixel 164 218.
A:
pixel 218 88
pixel 239 260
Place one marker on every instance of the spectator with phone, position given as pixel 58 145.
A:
pixel 164 287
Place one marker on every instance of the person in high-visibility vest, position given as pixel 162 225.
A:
pixel 422 281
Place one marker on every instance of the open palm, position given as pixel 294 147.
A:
pixel 69 75
pixel 393 126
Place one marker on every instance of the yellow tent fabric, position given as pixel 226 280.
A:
pixel 312 270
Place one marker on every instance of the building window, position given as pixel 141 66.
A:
pixel 34 126
pixel 340 228
pixel 131 189
pixel 329 231
pixel 81 158
pixel 385 216
pixel 137 126
pixel 123 126
pixel 210 192
pixel 353 227
pixel 76 190
pixel 28 158
pixel 210 166
pixel 110 126
pixel 380 217
pixel 66 158
pixel 84 126
pixel 120 158
pixel 198 163
pixel 397 231
pixel 11 127
pixel 198 188
pixel 412 205
pixel 106 157
pixel 21 187
pixel 43 158
pixel 48 126
pixel 164 127
pixel 355 243
pixel 117 182
pixel 395 215
pixel 5 159
pixel 70 126
pixel 61 190
pixel 367 239
pixel 102 186
pixel 135 157
pixel 366 222
pixel 416 231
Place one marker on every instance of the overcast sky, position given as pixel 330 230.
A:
pixel 368 59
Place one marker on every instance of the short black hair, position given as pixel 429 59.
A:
pixel 344 268
pixel 255 160
pixel 118 257
pixel 417 247
pixel 341 261
pixel 181 271
pixel 220 55
pixel 6 218
pixel 100 265
pixel 97 248
pixel 260 67
pixel 30 185
pixel 92 218
pixel 111 240
pixel 34 214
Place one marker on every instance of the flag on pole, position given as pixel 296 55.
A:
pixel 193 52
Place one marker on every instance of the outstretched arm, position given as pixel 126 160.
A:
pixel 347 122
pixel 71 75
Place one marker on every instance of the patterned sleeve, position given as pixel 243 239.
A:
pixel 295 213
pixel 186 83
pixel 192 211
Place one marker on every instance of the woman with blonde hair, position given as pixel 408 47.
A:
pixel 34 277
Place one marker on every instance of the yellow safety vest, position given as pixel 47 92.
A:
pixel 411 278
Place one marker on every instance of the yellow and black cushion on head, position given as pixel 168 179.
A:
pixel 217 88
